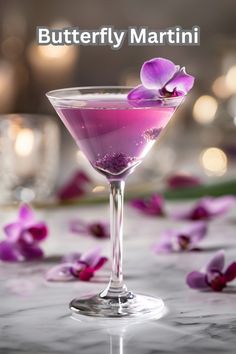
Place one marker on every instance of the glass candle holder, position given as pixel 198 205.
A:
pixel 29 157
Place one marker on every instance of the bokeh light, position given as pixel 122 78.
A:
pixel 53 52
pixel 98 189
pixel 52 64
pixel 214 161
pixel 204 109
pixel 24 142
pixel 220 88
pixel 231 79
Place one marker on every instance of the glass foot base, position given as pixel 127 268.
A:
pixel 130 305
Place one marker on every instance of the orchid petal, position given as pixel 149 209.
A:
pixel 196 231
pixel 78 226
pixel 216 264
pixel 218 206
pixel 31 253
pixel 38 231
pixel 216 281
pixel 182 181
pixel 197 280
pixel 91 258
pixel 230 273
pixel 152 206
pixel 163 247
pixel 197 212
pixel 100 263
pixel 97 229
pixel 86 274
pixel 181 82
pixel 9 252
pixel 61 272
pixel 75 187
pixel 157 72
pixel 13 231
pixel 166 243
pixel 26 214
pixel 141 93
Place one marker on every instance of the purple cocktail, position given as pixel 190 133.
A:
pixel 114 135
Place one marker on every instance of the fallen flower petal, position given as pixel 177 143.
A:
pixel 197 280
pixel 183 239
pixel 97 229
pixel 153 206
pixel 61 272
pixel 76 265
pixel 76 186
pixel 23 237
pixel 213 277
pixel 206 208
pixel 217 263
pixel 230 273
pixel 182 181
pixel 9 252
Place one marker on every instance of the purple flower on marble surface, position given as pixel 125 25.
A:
pixel 97 229
pixel 76 186
pixel 183 181
pixel 151 206
pixel 185 238
pixel 206 208
pixel 23 237
pixel 115 163
pixel 161 78
pixel 77 266
pixel 213 277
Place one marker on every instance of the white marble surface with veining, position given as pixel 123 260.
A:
pixel 34 315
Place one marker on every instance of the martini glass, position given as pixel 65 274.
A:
pixel 115 135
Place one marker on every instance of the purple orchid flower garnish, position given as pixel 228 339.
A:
pixel 183 181
pixel 97 229
pixel 152 206
pixel 77 266
pixel 206 208
pixel 23 237
pixel 213 277
pixel 184 239
pixel 76 187
pixel 161 78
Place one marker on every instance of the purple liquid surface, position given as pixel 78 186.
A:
pixel 113 135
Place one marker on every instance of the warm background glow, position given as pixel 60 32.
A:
pixel 204 109
pixel 214 161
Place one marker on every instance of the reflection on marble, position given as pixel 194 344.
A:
pixel 34 314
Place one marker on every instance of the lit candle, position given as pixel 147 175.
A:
pixel 26 152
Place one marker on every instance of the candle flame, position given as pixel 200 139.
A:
pixel 24 142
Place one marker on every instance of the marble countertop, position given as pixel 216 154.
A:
pixel 34 314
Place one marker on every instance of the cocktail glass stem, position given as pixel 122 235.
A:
pixel 116 287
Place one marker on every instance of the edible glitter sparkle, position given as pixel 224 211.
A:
pixel 115 163
pixel 152 134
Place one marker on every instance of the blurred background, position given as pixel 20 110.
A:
pixel 37 155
